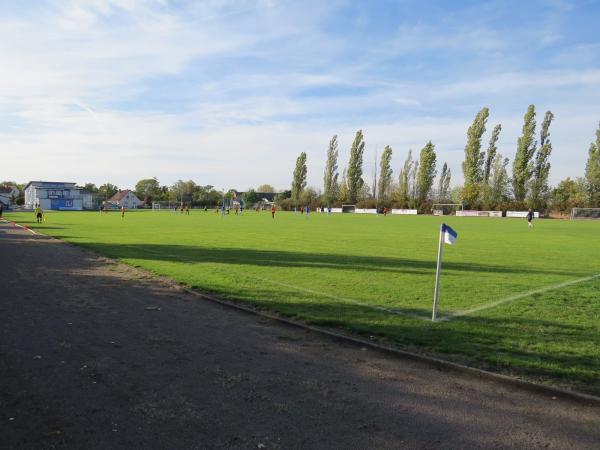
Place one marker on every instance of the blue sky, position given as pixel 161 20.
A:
pixel 229 93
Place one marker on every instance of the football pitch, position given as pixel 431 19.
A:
pixel 512 299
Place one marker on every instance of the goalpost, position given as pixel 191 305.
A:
pixel 585 213
pixel 446 209
pixel 348 208
pixel 155 206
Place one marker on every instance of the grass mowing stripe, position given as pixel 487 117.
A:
pixel 554 287
pixel 321 294
pixel 333 297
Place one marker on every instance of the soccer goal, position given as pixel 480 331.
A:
pixel 348 208
pixel 446 209
pixel 585 213
pixel 155 206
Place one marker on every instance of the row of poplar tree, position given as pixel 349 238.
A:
pixel 487 184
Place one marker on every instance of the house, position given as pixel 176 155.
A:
pixel 125 198
pixel 8 194
pixel 5 199
pixel 53 195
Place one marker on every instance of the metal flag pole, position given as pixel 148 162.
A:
pixel 437 274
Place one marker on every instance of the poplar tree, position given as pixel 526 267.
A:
pixel 299 178
pixel 473 164
pixel 491 154
pixel 426 173
pixel 354 173
pixel 330 179
pixel 444 183
pixel 414 187
pixel 385 173
pixel 343 192
pixel 499 181
pixel 404 181
pixel 541 167
pixel 523 165
pixel 592 172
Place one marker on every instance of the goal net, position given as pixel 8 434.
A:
pixel 348 208
pixel 446 209
pixel 585 213
pixel 164 205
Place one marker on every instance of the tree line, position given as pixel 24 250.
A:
pixel 487 183
pixel 417 185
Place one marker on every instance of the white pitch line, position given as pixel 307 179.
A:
pixel 322 294
pixel 333 297
pixel 517 297
pixel 28 229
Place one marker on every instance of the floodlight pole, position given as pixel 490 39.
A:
pixel 437 275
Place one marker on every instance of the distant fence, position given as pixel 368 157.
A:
pixel 475 213
pixel 365 211
pixel 405 211
pixel 521 214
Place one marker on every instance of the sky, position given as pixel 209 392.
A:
pixel 228 93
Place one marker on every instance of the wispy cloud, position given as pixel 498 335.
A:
pixel 126 89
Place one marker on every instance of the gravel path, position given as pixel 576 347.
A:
pixel 98 355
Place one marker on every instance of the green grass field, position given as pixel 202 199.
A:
pixel 374 276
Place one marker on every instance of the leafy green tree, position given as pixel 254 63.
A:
pixel 427 172
pixel 330 179
pixel 299 177
pixel 523 165
pixel 265 188
pixel 208 195
pixel 182 191
pixel 251 197
pixel 413 200
pixel 343 192
pixel 539 189
pixel 569 194
pixel 592 172
pixel 90 187
pixel 490 154
pixel 444 183
pixel 355 171
pixel 147 189
pixel 403 192
pixel 499 181
pixel 474 158
pixel 107 190
pixel 309 196
pixel 385 174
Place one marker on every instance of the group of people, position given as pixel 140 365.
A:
pixel 226 210
pixel 183 208
pixel 104 210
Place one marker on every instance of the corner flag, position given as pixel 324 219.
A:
pixel 448 236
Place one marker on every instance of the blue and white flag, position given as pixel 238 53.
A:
pixel 450 235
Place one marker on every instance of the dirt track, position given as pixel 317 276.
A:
pixel 95 355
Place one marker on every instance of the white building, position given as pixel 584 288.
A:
pixel 125 198
pixel 53 195
pixel 88 200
